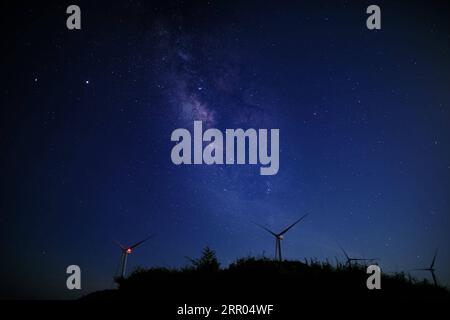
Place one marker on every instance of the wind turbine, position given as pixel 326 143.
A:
pixel 431 268
pixel 349 259
pixel 280 236
pixel 126 251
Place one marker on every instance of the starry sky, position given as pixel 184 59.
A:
pixel 87 117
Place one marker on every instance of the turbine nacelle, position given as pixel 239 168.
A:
pixel 280 237
pixel 128 251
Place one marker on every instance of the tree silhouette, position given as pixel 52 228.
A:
pixel 264 278
pixel 207 262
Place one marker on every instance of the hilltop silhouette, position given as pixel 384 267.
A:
pixel 263 278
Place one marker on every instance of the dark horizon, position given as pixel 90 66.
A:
pixel 87 117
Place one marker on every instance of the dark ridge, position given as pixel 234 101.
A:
pixel 262 278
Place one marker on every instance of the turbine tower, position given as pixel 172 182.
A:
pixel 350 260
pixel 280 236
pixel 126 251
pixel 431 268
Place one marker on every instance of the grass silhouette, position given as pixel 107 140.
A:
pixel 263 278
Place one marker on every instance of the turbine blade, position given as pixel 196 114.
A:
pixel 434 277
pixel 140 242
pixel 121 246
pixel 287 229
pixel 271 232
pixel 434 259
pixel 345 253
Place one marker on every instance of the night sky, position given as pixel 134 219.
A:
pixel 86 119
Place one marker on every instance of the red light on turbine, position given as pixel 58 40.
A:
pixel 129 250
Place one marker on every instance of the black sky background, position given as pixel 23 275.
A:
pixel 87 117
